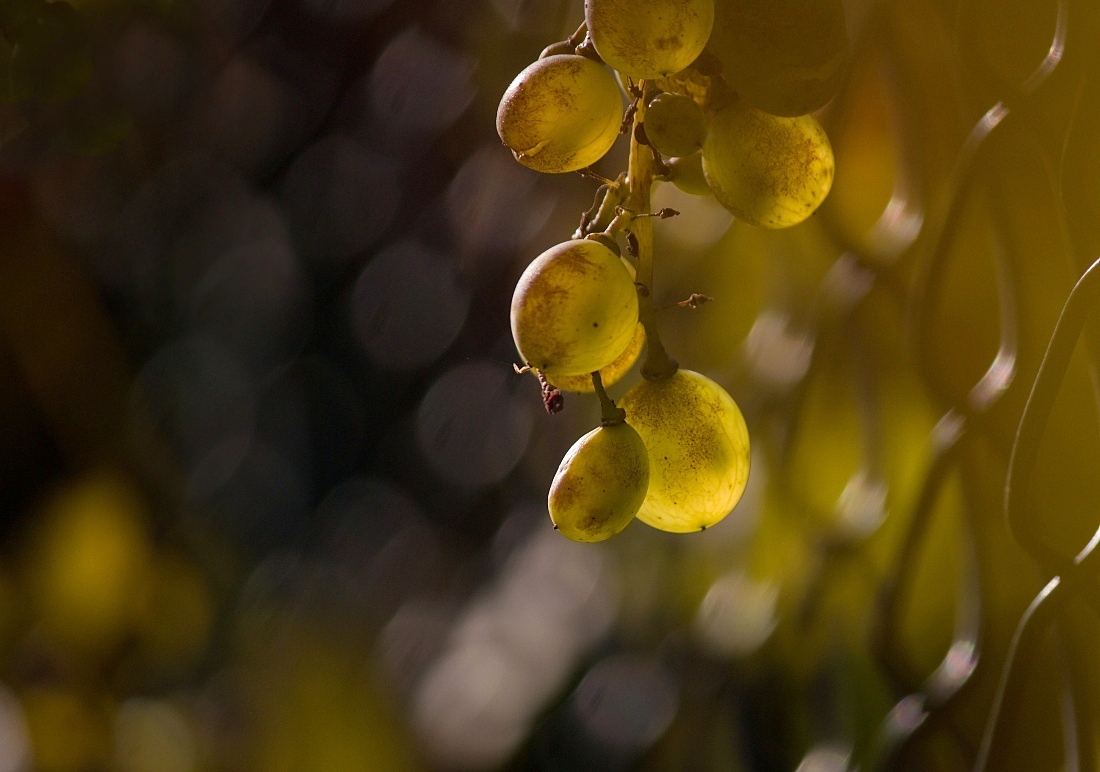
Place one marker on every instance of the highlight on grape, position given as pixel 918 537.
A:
pixel 718 99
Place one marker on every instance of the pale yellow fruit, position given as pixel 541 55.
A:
pixel 575 309
pixel 768 171
pixel 560 114
pixel 600 484
pixel 649 38
pixel 698 450
pixel 609 375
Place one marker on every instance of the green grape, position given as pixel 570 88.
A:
pixel 675 124
pixel 600 484
pixel 698 450
pixel 560 114
pixel 686 173
pixel 609 375
pixel 649 38
pixel 575 309
pixel 786 57
pixel 769 171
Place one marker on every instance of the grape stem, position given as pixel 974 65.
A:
pixel 693 301
pixel 609 414
pixel 658 364
pixel 599 217
pixel 578 37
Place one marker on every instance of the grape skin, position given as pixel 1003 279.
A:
pixel 609 375
pixel 575 309
pixel 698 450
pixel 600 484
pixel 768 171
pixel 612 373
pixel 649 38
pixel 675 125
pixel 562 113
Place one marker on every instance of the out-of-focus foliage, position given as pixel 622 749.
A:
pixel 274 498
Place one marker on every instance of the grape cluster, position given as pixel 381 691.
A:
pixel 719 94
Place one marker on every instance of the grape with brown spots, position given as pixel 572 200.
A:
pixel 768 171
pixel 562 113
pixel 600 484
pixel 698 450
pixel 610 374
pixel 575 309
pixel 649 38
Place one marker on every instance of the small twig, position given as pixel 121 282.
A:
pixel 588 216
pixel 552 398
pixel 609 413
pixel 592 175
pixel 663 214
pixel 660 168
pixel 631 244
pixel 693 301
pixel 576 38
pixel 628 118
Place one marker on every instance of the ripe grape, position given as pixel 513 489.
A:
pixel 769 171
pixel 575 309
pixel 786 57
pixel 610 374
pixel 649 38
pixel 600 484
pixel 674 124
pixel 698 450
pixel 560 114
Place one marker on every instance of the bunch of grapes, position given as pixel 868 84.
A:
pixel 719 95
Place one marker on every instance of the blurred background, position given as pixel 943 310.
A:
pixel 273 498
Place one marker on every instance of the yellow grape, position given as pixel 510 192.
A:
pixel 769 171
pixel 612 373
pixel 674 124
pixel 575 309
pixel 609 375
pixel 786 57
pixel 698 450
pixel 600 484
pixel 560 114
pixel 649 38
